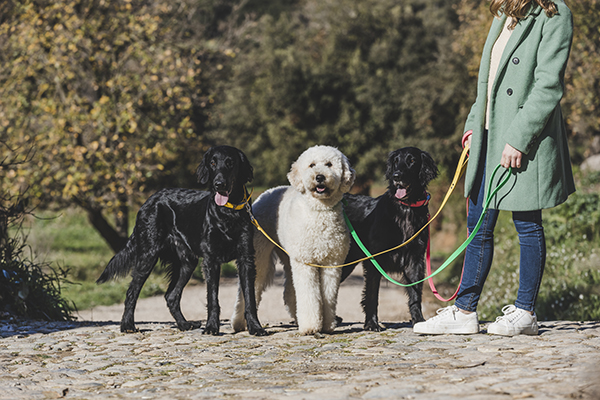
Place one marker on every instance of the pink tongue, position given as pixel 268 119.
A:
pixel 400 193
pixel 221 200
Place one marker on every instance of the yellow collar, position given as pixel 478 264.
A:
pixel 243 203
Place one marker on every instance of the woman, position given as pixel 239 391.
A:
pixel 516 121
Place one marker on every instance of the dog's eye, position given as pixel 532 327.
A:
pixel 312 165
pixel 213 163
pixel 328 165
pixel 411 160
pixel 228 163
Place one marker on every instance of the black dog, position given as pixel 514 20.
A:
pixel 178 226
pixel 389 220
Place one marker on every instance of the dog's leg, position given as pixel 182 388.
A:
pixel 181 274
pixel 212 272
pixel 238 322
pixel 140 274
pixel 265 269
pixel 370 301
pixel 247 277
pixel 413 273
pixel 289 293
pixel 309 304
pixel 330 284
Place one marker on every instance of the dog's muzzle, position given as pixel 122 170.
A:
pixel 222 192
pixel 320 188
pixel 401 190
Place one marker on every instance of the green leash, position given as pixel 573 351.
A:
pixel 454 255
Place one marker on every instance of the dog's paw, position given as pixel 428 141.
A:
pixel 338 320
pixel 238 326
pixel 258 331
pixel 373 326
pixel 188 325
pixel 129 328
pixel 211 329
pixel 309 331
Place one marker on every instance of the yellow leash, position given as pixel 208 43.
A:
pixel 460 170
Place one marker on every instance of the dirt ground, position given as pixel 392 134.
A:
pixel 392 303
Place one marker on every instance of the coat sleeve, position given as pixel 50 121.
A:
pixel 547 91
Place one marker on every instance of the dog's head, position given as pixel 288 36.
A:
pixel 409 171
pixel 224 169
pixel 324 172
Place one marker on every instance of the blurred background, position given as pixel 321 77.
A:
pixel 104 102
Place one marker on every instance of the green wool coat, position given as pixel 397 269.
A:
pixel 525 113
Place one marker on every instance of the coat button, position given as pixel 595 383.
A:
pixel 515 60
pixel 509 92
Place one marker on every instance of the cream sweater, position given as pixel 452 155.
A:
pixel 497 51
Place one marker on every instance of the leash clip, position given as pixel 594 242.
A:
pixel 249 211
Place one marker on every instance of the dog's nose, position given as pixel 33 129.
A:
pixel 320 178
pixel 397 176
pixel 219 184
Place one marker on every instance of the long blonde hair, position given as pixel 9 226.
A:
pixel 518 9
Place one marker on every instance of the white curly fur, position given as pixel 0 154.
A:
pixel 306 219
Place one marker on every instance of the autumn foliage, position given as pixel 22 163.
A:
pixel 105 94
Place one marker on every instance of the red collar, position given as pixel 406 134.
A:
pixel 419 203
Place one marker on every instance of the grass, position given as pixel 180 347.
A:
pixel 65 239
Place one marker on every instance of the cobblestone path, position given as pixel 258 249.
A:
pixel 95 361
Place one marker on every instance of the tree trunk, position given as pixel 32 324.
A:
pixel 122 221
pixel 3 230
pixel 115 240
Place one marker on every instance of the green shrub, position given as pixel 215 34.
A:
pixel 29 289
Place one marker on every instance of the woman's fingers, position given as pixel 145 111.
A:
pixel 511 157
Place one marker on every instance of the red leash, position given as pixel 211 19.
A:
pixel 428 263
pixel 428 254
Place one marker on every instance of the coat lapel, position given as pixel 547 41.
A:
pixel 518 35
pixel 495 29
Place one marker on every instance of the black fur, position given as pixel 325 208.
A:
pixel 385 222
pixel 179 226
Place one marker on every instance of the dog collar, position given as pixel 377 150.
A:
pixel 241 205
pixel 419 203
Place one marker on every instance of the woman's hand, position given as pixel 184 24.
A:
pixel 466 139
pixel 511 157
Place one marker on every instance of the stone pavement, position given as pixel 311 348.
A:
pixel 93 360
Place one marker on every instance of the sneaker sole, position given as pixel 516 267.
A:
pixel 492 330
pixel 446 331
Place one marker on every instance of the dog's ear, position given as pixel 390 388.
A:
pixel 295 177
pixel 246 170
pixel 389 167
pixel 203 172
pixel 429 169
pixel 348 175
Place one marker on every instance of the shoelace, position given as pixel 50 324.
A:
pixel 443 311
pixel 510 314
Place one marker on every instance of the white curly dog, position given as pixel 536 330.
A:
pixel 306 220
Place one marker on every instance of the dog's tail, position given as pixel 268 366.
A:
pixel 121 263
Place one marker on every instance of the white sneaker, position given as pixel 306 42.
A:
pixel 515 321
pixel 449 320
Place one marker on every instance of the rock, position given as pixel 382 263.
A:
pixel 591 164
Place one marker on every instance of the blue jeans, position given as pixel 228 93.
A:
pixel 480 252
